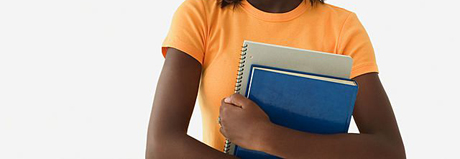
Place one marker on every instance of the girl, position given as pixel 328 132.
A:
pixel 202 51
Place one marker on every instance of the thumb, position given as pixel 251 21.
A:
pixel 238 100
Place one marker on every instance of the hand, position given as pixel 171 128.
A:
pixel 243 122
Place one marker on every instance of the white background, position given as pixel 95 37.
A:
pixel 77 78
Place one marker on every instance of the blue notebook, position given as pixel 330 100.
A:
pixel 301 101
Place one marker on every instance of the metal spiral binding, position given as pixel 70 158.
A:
pixel 238 85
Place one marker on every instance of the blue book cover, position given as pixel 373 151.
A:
pixel 301 101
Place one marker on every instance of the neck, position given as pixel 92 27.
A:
pixel 275 6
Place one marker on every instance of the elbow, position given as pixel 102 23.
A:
pixel 153 149
pixel 399 151
pixel 160 144
pixel 394 149
pixel 383 146
pixel 396 152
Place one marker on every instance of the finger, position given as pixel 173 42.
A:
pixel 238 100
pixel 222 102
pixel 226 111
pixel 228 108
pixel 222 131
pixel 228 101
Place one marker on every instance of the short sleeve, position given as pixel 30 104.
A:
pixel 355 42
pixel 188 30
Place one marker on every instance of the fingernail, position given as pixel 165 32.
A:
pixel 227 100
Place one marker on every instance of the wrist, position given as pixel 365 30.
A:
pixel 267 134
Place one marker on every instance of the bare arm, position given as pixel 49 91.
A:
pixel 173 105
pixel 379 134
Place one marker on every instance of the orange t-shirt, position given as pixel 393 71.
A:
pixel 214 37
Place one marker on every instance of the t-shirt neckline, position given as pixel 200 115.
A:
pixel 267 16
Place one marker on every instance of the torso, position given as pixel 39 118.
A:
pixel 306 27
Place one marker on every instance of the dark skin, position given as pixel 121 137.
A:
pixel 379 135
pixel 173 105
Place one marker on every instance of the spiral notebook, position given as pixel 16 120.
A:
pixel 300 89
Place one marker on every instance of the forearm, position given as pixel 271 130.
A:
pixel 289 143
pixel 180 146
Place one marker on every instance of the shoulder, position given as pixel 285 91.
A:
pixel 334 11
pixel 201 8
pixel 336 8
pixel 195 10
